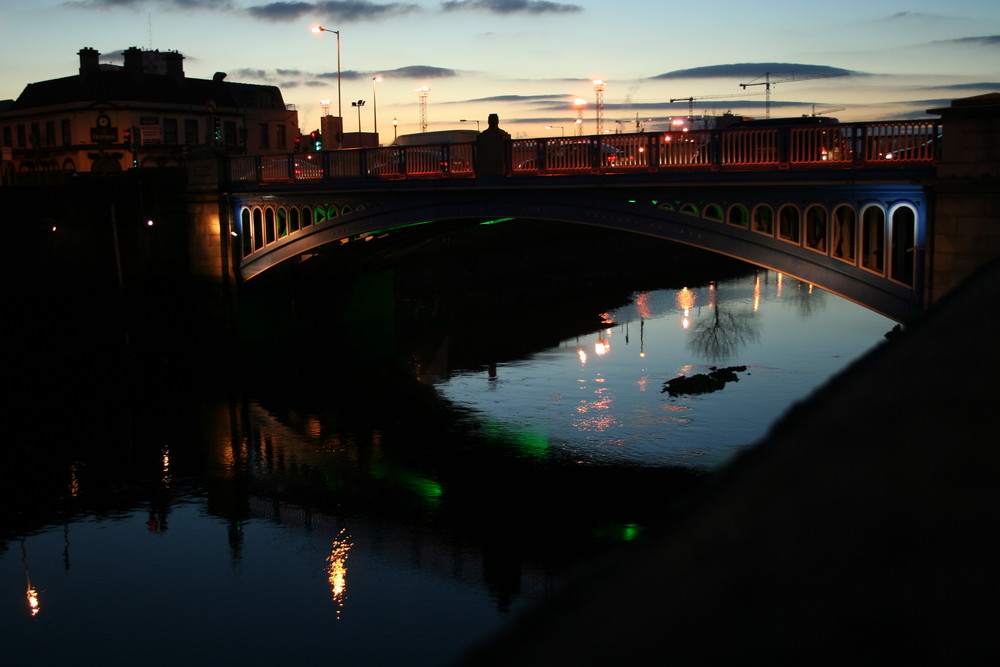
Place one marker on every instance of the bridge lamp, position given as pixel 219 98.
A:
pixel 358 105
pixel 318 29
pixel 395 127
pixel 375 79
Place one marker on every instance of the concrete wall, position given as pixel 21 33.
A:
pixel 966 232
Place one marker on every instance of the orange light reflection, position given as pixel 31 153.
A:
pixel 336 569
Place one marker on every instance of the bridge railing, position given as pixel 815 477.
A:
pixel 847 145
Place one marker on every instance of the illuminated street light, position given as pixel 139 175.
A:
pixel 599 88
pixel 358 104
pixel 318 29
pixel 556 127
pixel 395 126
pixel 375 79
pixel 470 121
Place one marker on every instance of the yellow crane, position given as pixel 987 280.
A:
pixel 767 83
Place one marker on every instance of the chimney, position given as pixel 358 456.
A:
pixel 175 67
pixel 89 63
pixel 133 63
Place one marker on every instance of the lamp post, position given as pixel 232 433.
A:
pixel 358 104
pixel 318 29
pixel 375 79
pixel 470 121
pixel 395 126
pixel 556 127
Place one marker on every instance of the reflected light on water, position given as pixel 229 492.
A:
pixel 756 294
pixel 336 569
pixel 32 592
pixel 685 300
pixel 582 354
pixel 165 476
pixel 642 305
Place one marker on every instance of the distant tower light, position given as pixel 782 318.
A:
pixel 599 88
pixel 422 102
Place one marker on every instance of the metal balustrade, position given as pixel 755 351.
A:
pixel 844 145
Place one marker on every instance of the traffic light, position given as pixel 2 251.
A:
pixel 127 138
pixel 297 147
pixel 216 130
pixel 317 140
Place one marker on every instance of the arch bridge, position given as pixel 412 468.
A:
pixel 845 207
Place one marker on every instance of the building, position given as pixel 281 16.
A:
pixel 145 113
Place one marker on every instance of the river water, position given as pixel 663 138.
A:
pixel 394 526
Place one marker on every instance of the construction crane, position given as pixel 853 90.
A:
pixel 767 83
pixel 823 112
pixel 690 100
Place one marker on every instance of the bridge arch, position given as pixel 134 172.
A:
pixel 860 245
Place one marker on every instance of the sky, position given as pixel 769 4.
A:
pixel 528 60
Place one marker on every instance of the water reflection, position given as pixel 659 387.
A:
pixel 398 520
pixel 601 408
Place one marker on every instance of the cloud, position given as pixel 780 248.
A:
pixel 356 10
pixel 756 70
pixel 986 40
pixel 169 4
pixel 419 72
pixel 505 7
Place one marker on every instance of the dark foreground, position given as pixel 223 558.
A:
pixel 863 531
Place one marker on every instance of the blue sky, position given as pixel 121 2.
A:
pixel 527 60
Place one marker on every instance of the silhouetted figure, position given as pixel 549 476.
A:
pixel 491 149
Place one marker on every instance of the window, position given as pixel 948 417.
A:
pixel 282 136
pixel 22 137
pixel 265 138
pixel 8 136
pixel 66 130
pixel 190 131
pixel 50 133
pixel 170 131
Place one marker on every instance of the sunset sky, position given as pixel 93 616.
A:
pixel 527 60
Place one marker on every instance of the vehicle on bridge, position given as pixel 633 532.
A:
pixel 811 138
pixel 436 137
pixel 403 161
pixel 563 154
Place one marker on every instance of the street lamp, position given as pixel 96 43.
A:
pixel 395 126
pixel 375 79
pixel 358 104
pixel 470 121
pixel 556 127
pixel 318 29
